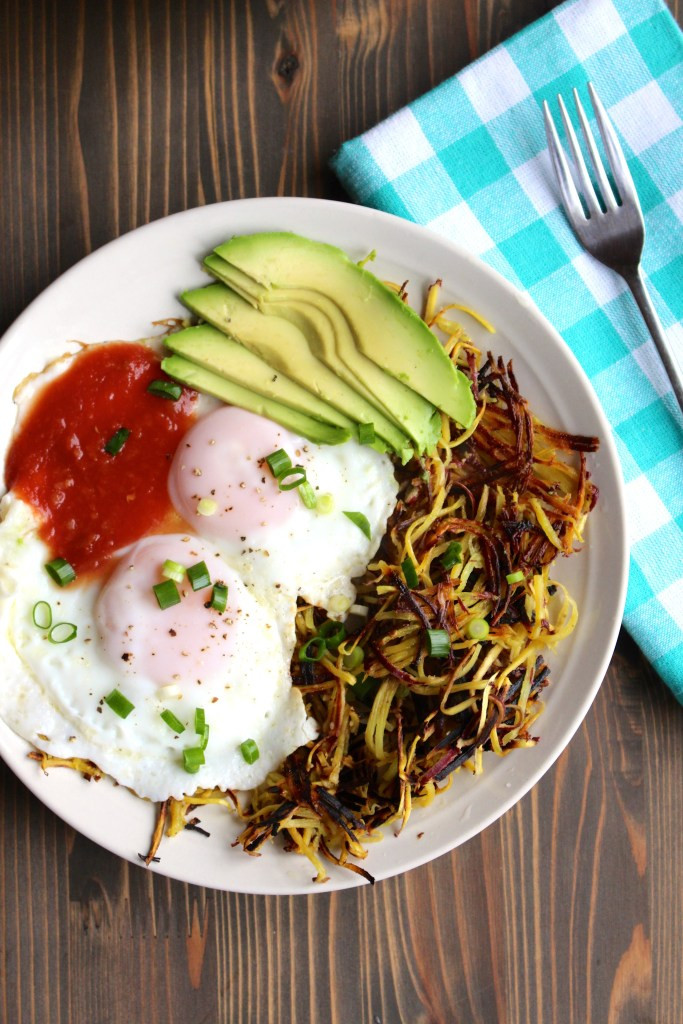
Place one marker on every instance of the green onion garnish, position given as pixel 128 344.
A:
pixel 250 751
pixel 313 650
pixel 219 597
pixel 438 643
pixel 62 633
pixel 363 689
pixel 478 629
pixel 172 722
pixel 293 477
pixel 452 555
pixel 193 759
pixel 199 721
pixel 366 433
pixel 279 462
pixel 332 633
pixel 42 615
pixel 515 577
pixel 198 575
pixel 410 573
pixel 165 389
pixel 360 521
pixel 307 494
pixel 173 570
pixel 325 504
pixel 354 659
pixel 166 594
pixel 117 441
pixel 204 737
pixel 119 704
pixel 60 571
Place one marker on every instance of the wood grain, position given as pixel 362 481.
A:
pixel 569 910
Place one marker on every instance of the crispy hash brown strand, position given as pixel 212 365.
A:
pixel 480 521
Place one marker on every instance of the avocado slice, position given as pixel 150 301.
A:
pixel 387 330
pixel 285 348
pixel 329 334
pixel 198 377
pixel 412 413
pixel 208 347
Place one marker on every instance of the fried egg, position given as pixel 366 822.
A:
pixel 220 483
pixel 234 665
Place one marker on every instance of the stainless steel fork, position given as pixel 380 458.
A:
pixel 614 235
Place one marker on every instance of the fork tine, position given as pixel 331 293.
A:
pixel 615 154
pixel 605 188
pixel 570 195
pixel 579 163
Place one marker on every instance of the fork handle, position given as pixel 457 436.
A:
pixel 634 279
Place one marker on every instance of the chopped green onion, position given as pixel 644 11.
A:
pixel 438 643
pixel 207 507
pixel 193 759
pixel 360 521
pixel 204 737
pixel 325 504
pixel 165 389
pixel 119 704
pixel 250 751
pixel 42 615
pixel 313 650
pixel 199 721
pixel 173 570
pixel 363 689
pixel 293 477
pixel 60 571
pixel 172 722
pixel 219 597
pixel 198 575
pixel 354 659
pixel 452 555
pixel 307 494
pixel 515 577
pixel 332 633
pixel 410 573
pixel 478 629
pixel 166 594
pixel 117 441
pixel 62 633
pixel 366 433
pixel 278 462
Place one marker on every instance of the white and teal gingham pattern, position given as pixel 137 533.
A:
pixel 470 161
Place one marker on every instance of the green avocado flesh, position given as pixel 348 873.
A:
pixel 386 331
pixel 327 331
pixel 283 347
pixel 211 348
pixel 198 377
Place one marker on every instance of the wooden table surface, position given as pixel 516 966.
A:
pixel 569 909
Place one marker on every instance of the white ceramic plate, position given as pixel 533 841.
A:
pixel 116 293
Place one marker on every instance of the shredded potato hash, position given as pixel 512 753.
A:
pixel 468 553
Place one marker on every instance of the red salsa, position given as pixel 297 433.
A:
pixel 92 502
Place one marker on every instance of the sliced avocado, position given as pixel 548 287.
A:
pixel 194 376
pixel 387 330
pixel 329 334
pixel 412 413
pixel 286 349
pixel 208 347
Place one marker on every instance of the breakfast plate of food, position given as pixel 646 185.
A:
pixel 312 551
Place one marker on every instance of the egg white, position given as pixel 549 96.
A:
pixel 52 694
pixel 292 550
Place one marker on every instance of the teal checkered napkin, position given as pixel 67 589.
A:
pixel 470 161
